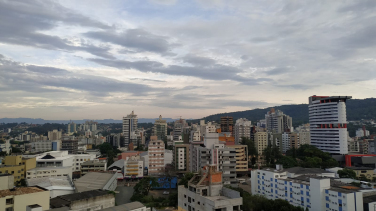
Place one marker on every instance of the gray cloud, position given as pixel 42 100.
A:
pixel 138 39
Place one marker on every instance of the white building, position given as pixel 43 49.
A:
pixel 129 127
pixel 133 167
pixel 45 145
pixel 206 192
pixel 328 125
pixel 362 132
pixel 5 147
pixel 242 129
pixel 52 171
pixel 314 189
pixel 285 142
pixel 278 122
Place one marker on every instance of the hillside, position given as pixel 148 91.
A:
pixel 357 109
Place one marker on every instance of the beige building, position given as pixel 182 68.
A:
pixel 368 172
pixel 160 128
pixel 180 159
pixel 93 165
pixel 261 141
pixel 52 171
pixel 54 135
pixel 23 197
pixel 133 167
pixel 17 166
pixel 156 150
pixel 241 158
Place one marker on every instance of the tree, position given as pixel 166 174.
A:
pixel 184 181
pixel 145 184
pixel 287 161
pixel 16 150
pixel 362 177
pixel 105 147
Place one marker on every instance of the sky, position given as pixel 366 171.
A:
pixel 94 59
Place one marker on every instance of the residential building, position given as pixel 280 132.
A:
pixel 126 154
pixel 160 128
pixel 206 192
pixel 6 181
pixel 17 166
pixel 156 157
pixel 5 147
pixel 261 141
pixel 227 124
pixel 314 189
pixel 133 167
pixel 95 181
pixel 72 127
pixel 328 125
pixel 69 145
pixel 241 158
pixel 178 129
pixel 54 135
pixel 361 132
pixel 93 165
pixel 133 206
pixel 89 126
pixel 367 172
pixel 242 129
pixel 129 127
pixel 304 134
pixel 363 146
pixel 353 145
pixel 278 122
pixel 58 186
pixel 24 198
pixel 45 145
pixel 88 200
pixel 181 157
pixel 52 171
pixel 114 139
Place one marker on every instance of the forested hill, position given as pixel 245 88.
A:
pixel 356 110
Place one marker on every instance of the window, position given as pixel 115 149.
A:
pixel 9 201
pixel 198 203
pixel 189 199
pixel 9 209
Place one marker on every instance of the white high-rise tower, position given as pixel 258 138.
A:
pixel 129 128
pixel 328 125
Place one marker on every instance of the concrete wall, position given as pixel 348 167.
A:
pixel 96 203
pixel 6 182
pixel 22 201
pixel 56 193
pixel 230 193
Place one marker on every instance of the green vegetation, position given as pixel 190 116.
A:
pixel 43 129
pixel 260 203
pixel 347 173
pixel 109 151
pixel 141 191
pixel 184 181
pixel 307 156
pixel 252 151
pixel 356 110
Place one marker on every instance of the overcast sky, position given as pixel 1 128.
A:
pixel 102 59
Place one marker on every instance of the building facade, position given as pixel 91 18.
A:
pixel 180 159
pixel 242 129
pixel 25 198
pixel 328 125
pixel 227 124
pixel 129 128
pixel 133 167
pixel 160 128
pixel 278 122
pixel 54 135
pixel 156 150
pixel 69 145
pixel 261 141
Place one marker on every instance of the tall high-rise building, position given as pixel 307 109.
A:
pixel 89 126
pixel 71 127
pixel 227 124
pixel 129 128
pixel 178 128
pixel 156 151
pixel 242 129
pixel 278 122
pixel 160 128
pixel 328 125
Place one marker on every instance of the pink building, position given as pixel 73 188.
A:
pixel 156 157
pixel 128 154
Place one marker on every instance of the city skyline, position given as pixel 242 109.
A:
pixel 63 60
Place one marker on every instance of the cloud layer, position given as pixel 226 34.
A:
pixel 102 59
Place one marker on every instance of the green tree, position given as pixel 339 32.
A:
pixel 347 173
pixel 287 161
pixel 184 181
pixel 145 184
pixel 105 147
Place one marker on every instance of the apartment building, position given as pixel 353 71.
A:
pixel 89 126
pixel 361 132
pixel 133 167
pixel 261 141
pixel 206 192
pixel 160 128
pixel 17 166
pixel 278 122
pixel 72 127
pixel 129 128
pixel 114 140
pixel 314 189
pixel 156 157
pixel 24 199
pixel 54 135
pixel 45 145
pixel 178 128
pixel 69 145
pixel 227 124
pixel 180 159
pixel 242 129
pixel 241 158
pixel 328 125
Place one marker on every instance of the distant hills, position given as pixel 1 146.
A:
pixel 357 109
pixel 43 121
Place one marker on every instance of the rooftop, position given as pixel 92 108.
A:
pixel 301 170
pixel 20 191
pixel 118 163
pixel 49 168
pixel 62 182
pixel 126 207
pixel 93 162
pixel 65 200
pixel 93 181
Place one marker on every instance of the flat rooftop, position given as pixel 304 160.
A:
pixel 62 182
pixel 92 181
pixel 20 191
pixel 65 200
pixel 126 207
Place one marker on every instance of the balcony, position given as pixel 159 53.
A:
pixel 131 173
